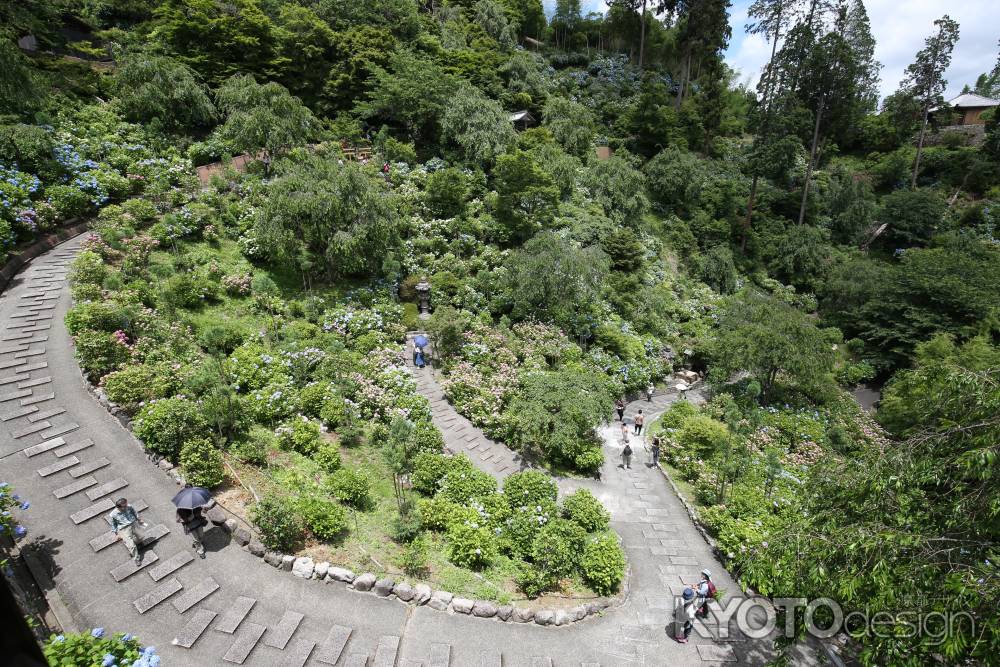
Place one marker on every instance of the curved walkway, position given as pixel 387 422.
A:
pixel 69 457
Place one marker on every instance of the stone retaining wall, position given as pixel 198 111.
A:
pixel 16 262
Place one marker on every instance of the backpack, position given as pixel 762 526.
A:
pixel 628 450
pixel 711 590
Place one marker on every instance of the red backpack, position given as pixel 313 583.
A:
pixel 711 590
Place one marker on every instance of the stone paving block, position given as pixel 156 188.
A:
pixel 51 412
pixel 28 430
pixel 37 366
pixel 385 653
pixel 330 650
pixel 29 353
pixel 297 653
pixel 356 660
pixel 37 398
pixel 244 644
pixel 89 467
pixel 151 535
pixel 683 560
pixel 18 336
pixel 235 614
pixel 88 513
pixel 715 653
pixel 107 487
pixel 130 567
pixel 76 487
pixel 157 595
pixel 193 596
pixel 20 412
pixel 60 430
pixel 440 655
pixel 39 338
pixel 11 395
pixel 280 634
pixel 42 447
pixel 38 327
pixel 58 466
pixel 541 662
pixel 194 628
pixel 74 447
pixel 13 363
pixel 490 659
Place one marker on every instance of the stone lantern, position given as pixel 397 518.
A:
pixel 423 289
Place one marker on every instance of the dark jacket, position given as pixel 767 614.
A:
pixel 191 519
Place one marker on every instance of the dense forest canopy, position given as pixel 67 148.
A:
pixel 791 240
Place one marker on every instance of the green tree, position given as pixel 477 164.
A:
pixel 620 188
pixel 447 327
pixel 262 116
pixel 924 77
pixel 151 87
pixel 324 215
pixel 771 341
pixel 527 196
pixel 571 124
pixel 359 53
pixel 491 18
pixel 913 217
pixel 476 126
pixel 17 86
pixel 554 280
pixel 304 51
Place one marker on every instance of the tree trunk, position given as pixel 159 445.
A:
pixel 812 159
pixel 920 148
pixel 684 75
pixel 642 34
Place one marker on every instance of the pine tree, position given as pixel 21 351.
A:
pixel 925 76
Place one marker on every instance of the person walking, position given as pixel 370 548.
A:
pixel 706 591
pixel 620 407
pixel 639 420
pixel 649 392
pixel 123 519
pixel 194 524
pixel 418 358
pixel 624 432
pixel 684 615
pixel 627 456
pixel 656 451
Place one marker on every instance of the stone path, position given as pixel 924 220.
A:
pixel 70 458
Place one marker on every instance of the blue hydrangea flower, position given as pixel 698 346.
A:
pixel 97 632
pixel 25 505
pixel 109 660
pixel 20 531
pixel 60 638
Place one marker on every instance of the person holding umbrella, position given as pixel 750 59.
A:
pixel 419 343
pixel 189 502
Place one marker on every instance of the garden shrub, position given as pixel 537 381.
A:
pixel 532 581
pixel 252 448
pixel 582 508
pixel 702 434
pixel 437 513
pixel 603 564
pixel 279 523
pixel 414 558
pixel 201 463
pixel 351 487
pixel 253 367
pixel 462 485
pixel 186 290
pixel 105 316
pixel 558 546
pixel 529 487
pixel 426 437
pixel 333 411
pixel 88 267
pixel 589 460
pixel 69 201
pixel 94 647
pixel 324 519
pixel 328 457
pixel 351 434
pixel 223 337
pixel 314 396
pixel 168 423
pixel 678 413
pixel 99 352
pixel 470 545
pixel 300 435
pixel 524 523
pixel 430 468
pixel 406 525
pixel 136 384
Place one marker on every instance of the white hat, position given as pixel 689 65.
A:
pixel 707 573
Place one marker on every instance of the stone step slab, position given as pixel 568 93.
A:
pixel 440 655
pixel 279 635
pixel 89 467
pixel 12 395
pixel 11 379
pixel 157 595
pixel 51 412
pixel 20 412
pixel 62 429
pixel 235 615
pixel 74 447
pixel 76 487
pixel 37 366
pixel 88 513
pixel 356 660
pixel 105 540
pixel 107 488
pixel 130 567
pixel 38 398
pixel 13 363
pixel 194 628
pixel 330 650
pixel 385 653
pixel 29 353
pixel 541 662
pixel 297 653
pixel 171 565
pixel 244 644
pixel 491 659
pixel 28 430
pixel 58 466
pixel 201 590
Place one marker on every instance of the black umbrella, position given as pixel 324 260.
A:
pixel 190 497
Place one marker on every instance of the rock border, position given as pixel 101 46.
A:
pixel 15 263
pixel 417 595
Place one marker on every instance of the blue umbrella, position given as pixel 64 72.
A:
pixel 420 341
pixel 190 497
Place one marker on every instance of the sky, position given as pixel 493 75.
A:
pixel 899 28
